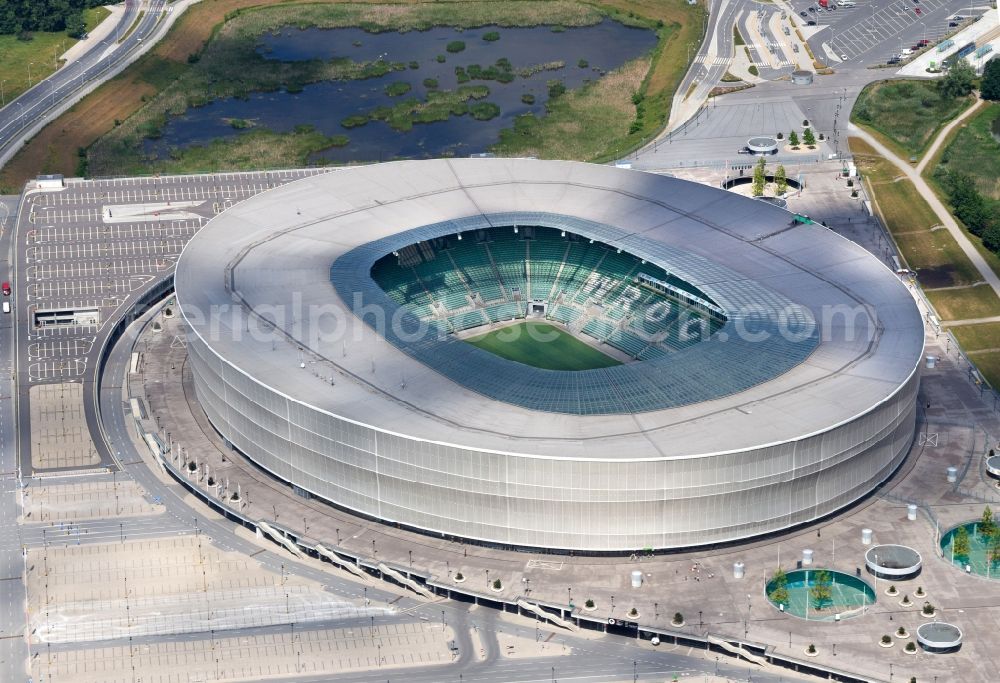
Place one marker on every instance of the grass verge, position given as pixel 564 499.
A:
pixel 988 364
pixel 978 337
pixel 905 114
pixel 965 303
pixel 42 52
pixel 934 254
pixel 542 345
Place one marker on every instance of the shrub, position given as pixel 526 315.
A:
pixel 780 136
pixel 583 63
pixel 589 604
pixel 850 183
pixel 808 137
pixel 459 576
pixel 633 612
pixel 440 59
pixel 455 46
pixel 805 123
pixel 911 646
pixel 854 194
pixel 239 124
pixel 905 600
pixel 194 58
pixel 793 139
pixel 430 83
pixel 928 608
pixel 811 649
pixel 556 88
pixel 398 88
pixel 497 584
pixel 919 591
pixel 887 639
pixel 678 618
pixel 491 36
pixel 528 98
pixel 484 111
pixel 901 631
pixel 354 121
pixel 990 87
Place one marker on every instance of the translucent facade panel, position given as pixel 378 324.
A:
pixel 588 505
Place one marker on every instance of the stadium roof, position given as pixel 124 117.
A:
pixel 308 246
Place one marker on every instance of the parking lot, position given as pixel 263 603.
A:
pixel 874 30
pixel 85 251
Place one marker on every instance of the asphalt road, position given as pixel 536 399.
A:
pixel 101 59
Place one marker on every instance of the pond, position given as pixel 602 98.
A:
pixel 586 53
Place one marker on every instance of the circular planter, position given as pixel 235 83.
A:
pixel 910 652
pixel 902 637
pixel 907 605
pixel 892 592
pixel 632 616
pixel 920 595
pixel 891 561
pixel 885 645
pixel 496 590
pixel 458 580
pixel 938 636
pixel 811 654
pixel 928 616
pixel 676 624
pixel 589 609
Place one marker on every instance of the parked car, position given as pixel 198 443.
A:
pixel 803 14
pixel 952 24
pixel 892 60
pixel 6 288
pixel 918 11
pixel 811 22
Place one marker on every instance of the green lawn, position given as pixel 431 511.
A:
pixel 964 304
pixel 42 53
pixel 934 254
pixel 543 346
pixel 988 364
pixel 978 337
pixel 908 113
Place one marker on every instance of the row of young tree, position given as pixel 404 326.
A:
pixel 980 213
pixel 22 17
pixel 820 589
pixel 760 178
pixel 989 533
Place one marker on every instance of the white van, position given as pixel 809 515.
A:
pixel 6 307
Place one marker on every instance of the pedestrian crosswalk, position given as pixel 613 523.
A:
pixel 723 61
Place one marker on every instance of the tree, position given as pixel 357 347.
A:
pixel 781 180
pixel 990 88
pixel 987 527
pixel 793 139
pixel 995 550
pixel 821 591
pixel 808 137
pixel 959 80
pixel 778 586
pixel 960 543
pixel 759 178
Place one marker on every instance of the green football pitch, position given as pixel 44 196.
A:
pixel 542 346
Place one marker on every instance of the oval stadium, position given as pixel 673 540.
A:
pixel 550 355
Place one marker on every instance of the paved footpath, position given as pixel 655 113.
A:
pixel 940 210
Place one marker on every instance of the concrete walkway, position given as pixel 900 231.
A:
pixel 102 30
pixel 942 213
pixel 971 321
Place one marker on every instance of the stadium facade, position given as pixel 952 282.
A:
pixel 324 318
